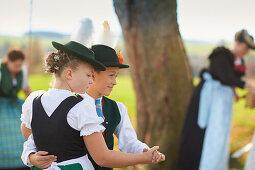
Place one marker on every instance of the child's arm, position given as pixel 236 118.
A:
pixel 235 94
pixel 127 138
pixel 26 132
pixel 39 159
pixel 28 147
pixel 100 153
pixel 27 91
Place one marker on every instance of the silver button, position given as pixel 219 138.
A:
pixel 106 123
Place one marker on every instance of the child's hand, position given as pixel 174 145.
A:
pixel 158 157
pixel 149 153
pixel 249 86
pixel 237 97
pixel 41 159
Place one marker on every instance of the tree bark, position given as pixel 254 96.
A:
pixel 160 72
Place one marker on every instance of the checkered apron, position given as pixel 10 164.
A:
pixel 11 139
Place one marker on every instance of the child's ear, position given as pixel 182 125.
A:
pixel 8 60
pixel 68 74
pixel 93 76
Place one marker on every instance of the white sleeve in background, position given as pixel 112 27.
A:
pixel 25 83
pixel 127 138
pixel 28 147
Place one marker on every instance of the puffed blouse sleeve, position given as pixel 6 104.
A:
pixel 87 119
pixel 27 108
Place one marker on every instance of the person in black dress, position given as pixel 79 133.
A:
pixel 222 69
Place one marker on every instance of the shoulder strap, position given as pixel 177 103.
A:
pixel 67 104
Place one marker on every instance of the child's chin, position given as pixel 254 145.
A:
pixel 107 93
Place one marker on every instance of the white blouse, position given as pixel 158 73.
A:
pixel 127 138
pixel 82 117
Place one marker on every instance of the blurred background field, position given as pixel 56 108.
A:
pixel 243 118
pixel 33 31
pixel 197 51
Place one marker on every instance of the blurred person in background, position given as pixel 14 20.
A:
pixel 13 78
pixel 205 137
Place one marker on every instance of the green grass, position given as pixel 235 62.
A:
pixel 38 82
pixel 243 126
pixel 124 93
pixel 199 48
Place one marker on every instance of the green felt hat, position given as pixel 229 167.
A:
pixel 78 50
pixel 244 37
pixel 107 56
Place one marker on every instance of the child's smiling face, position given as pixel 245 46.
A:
pixel 104 81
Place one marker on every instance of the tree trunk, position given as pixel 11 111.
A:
pixel 160 71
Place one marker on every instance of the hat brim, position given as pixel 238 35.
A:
pixel 97 65
pixel 251 47
pixel 116 65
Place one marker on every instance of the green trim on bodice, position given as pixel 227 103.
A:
pixel 112 119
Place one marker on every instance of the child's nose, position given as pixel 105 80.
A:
pixel 91 81
pixel 114 82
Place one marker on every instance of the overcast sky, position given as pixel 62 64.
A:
pixel 206 20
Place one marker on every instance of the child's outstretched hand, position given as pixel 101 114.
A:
pixel 156 156
pixel 149 154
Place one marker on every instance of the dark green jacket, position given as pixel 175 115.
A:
pixel 112 119
pixel 7 89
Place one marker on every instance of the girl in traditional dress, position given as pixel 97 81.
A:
pixel 72 117
pixel 13 77
pixel 205 137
